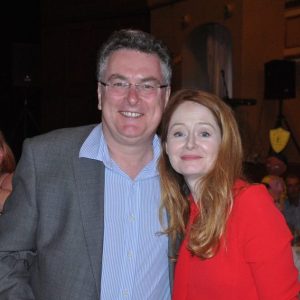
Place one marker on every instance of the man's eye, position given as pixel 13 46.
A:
pixel 147 86
pixel 119 84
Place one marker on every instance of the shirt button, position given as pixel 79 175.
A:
pixel 129 253
pixel 125 293
pixel 132 217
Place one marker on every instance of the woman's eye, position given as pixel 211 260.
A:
pixel 177 134
pixel 205 134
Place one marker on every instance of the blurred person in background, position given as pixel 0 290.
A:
pixel 7 167
pixel 276 166
pixel 292 207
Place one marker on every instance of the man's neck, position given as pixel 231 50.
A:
pixel 131 158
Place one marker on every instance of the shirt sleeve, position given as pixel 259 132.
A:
pixel 266 244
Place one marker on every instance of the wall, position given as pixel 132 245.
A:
pixel 71 34
pixel 258 34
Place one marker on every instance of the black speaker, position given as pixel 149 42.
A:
pixel 280 77
pixel 25 65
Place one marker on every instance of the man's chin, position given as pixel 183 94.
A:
pixel 132 131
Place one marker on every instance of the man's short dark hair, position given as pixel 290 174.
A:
pixel 135 40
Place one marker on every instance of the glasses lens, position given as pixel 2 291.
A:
pixel 116 87
pixel 147 89
pixel 121 88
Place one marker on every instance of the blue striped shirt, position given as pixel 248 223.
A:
pixel 135 260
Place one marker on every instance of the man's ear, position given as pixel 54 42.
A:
pixel 167 95
pixel 99 96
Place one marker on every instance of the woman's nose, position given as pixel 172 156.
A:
pixel 191 142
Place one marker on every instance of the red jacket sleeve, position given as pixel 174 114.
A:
pixel 266 244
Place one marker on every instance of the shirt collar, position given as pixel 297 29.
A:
pixel 95 147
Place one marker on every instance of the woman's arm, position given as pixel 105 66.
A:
pixel 5 188
pixel 267 246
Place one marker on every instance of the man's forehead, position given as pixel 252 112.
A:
pixel 133 65
pixel 119 53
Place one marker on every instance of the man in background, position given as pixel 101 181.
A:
pixel 292 207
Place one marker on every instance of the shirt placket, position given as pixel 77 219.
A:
pixel 130 247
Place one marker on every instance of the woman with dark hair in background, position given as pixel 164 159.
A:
pixel 236 243
pixel 7 167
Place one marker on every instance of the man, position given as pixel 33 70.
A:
pixel 82 220
pixel 292 207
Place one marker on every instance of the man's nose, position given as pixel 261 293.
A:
pixel 132 96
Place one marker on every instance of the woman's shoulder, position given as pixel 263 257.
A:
pixel 244 189
pixel 253 198
pixel 258 221
pixel 253 203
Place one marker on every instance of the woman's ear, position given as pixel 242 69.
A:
pixel 167 95
pixel 166 147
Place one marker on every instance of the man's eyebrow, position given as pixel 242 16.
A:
pixel 150 78
pixel 117 76
pixel 122 77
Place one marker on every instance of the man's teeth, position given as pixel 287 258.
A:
pixel 131 114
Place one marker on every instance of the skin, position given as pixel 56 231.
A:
pixel 129 122
pixel 275 166
pixel 5 189
pixel 6 184
pixel 1 157
pixel 193 141
pixel 293 189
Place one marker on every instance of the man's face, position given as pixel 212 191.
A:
pixel 293 187
pixel 275 166
pixel 131 115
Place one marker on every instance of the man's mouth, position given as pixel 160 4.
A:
pixel 130 114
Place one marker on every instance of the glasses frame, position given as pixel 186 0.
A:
pixel 129 85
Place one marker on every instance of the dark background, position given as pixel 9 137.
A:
pixel 20 30
pixel 47 61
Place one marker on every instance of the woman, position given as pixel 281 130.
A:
pixel 7 167
pixel 236 243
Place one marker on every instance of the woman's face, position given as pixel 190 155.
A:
pixel 193 141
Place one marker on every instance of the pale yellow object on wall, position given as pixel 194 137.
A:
pixel 279 138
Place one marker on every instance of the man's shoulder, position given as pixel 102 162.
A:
pixel 72 134
pixel 60 141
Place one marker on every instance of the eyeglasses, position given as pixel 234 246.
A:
pixel 121 88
